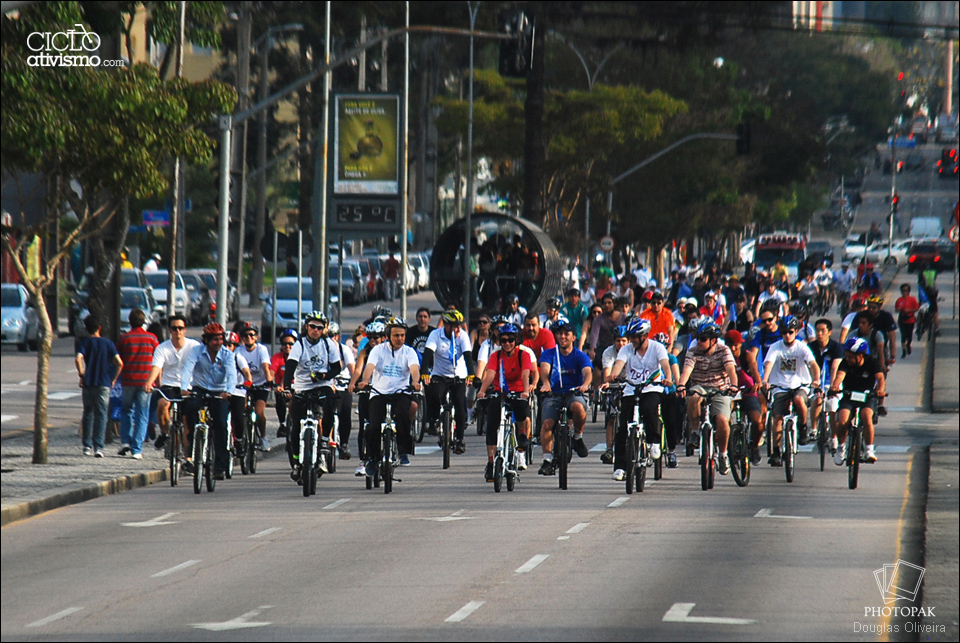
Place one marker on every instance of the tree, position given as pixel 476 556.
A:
pixel 99 138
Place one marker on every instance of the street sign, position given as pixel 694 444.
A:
pixel 156 218
pixel 134 229
pixel 606 243
pixel 955 234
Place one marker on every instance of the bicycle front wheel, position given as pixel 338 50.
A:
pixel 208 462
pixel 561 452
pixel 706 458
pixel 176 434
pixel 250 456
pixel 198 464
pixel 447 429
pixel 631 458
pixel 789 448
pixel 853 457
pixel 307 470
pixel 418 424
pixel 823 440
pixel 387 459
pixel 640 466
pixel 739 455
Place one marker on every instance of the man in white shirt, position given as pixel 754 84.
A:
pixel 167 366
pixel 447 364
pixel 257 357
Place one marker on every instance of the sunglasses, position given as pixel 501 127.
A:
pixel 789 331
pixel 178 328
pixel 767 320
pixel 314 327
pixel 249 334
pixel 286 343
pixel 511 340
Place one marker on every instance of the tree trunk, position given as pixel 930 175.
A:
pixel 45 344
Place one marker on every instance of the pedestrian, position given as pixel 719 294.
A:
pixel 96 358
pixel 136 350
pixel 391 273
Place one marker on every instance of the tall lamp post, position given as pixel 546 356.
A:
pixel 473 7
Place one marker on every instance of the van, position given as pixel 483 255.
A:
pixel 926 228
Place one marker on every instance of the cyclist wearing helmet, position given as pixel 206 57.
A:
pixel 258 357
pixel 375 332
pixel 566 371
pixel 552 315
pixel 576 312
pixel 884 322
pixel 870 281
pixel 859 372
pixel 789 370
pixel 391 367
pixel 608 359
pixel 663 327
pixel 509 370
pixel 313 363
pixel 448 354
pixel 709 369
pixel 806 332
pixel 278 364
pixel 643 359
pixel 513 311
pixel 211 369
pixel 341 382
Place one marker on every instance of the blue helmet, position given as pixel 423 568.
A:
pixel 622 331
pixel 638 327
pixel 856 345
pixel 791 322
pixel 709 331
pixel 508 329
pixel 289 332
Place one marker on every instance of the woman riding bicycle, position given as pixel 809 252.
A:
pixel 859 372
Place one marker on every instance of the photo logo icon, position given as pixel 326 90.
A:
pixel 899 581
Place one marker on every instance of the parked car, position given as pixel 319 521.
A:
pixel 200 297
pixel 129 278
pixel 209 277
pixel 372 290
pixel 354 288
pixel 159 280
pixel 130 298
pixel 286 315
pixel 947 166
pixel 854 247
pixel 19 324
pixel 877 253
pixel 938 254
pixel 914 162
pixel 419 263
pixel 817 253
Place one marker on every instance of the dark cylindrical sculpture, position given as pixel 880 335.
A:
pixel 511 256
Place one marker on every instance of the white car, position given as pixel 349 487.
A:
pixel 854 247
pixel 158 280
pixel 419 262
pixel 746 250
pixel 877 253
pixel 20 324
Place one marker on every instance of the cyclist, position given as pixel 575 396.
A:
pixel 807 292
pixel 576 312
pixel 375 332
pixel 609 358
pixel 883 321
pixel 258 357
pixel 313 363
pixel 513 311
pixel 418 333
pixel 536 338
pixel 448 354
pixel 278 364
pixel 770 293
pixel 824 279
pixel 238 397
pixel 509 369
pixel 566 371
pixel 843 281
pixel 807 332
pixel 342 384
pixel 643 359
pixel 768 333
pixel 790 369
pixel 710 370
pixel 713 309
pixel 870 281
pixel 829 354
pixel 211 369
pixel 663 326
pixel 552 315
pixel 390 368
pixel 858 304
pixel 906 308
pixel 167 366
pixel 748 378
pixel 863 373
pixel 876 339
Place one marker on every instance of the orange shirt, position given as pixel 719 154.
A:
pixel 662 326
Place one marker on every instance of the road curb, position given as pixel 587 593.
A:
pixel 82 493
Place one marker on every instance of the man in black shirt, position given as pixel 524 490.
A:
pixel 418 333
pixel 859 372
pixel 829 354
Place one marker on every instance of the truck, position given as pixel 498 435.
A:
pixel 926 228
pixel 786 247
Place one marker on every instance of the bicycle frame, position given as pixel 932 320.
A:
pixel 505 458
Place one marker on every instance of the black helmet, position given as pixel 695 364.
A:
pixel 800 310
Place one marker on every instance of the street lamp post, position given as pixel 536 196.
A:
pixel 473 7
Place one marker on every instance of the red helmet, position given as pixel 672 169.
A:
pixel 213 329
pixel 232 338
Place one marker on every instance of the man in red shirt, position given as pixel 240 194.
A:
pixel 391 274
pixel 907 307
pixel 278 364
pixel 536 338
pixel 136 350
pixel 663 325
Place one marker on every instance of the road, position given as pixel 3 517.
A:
pixel 444 557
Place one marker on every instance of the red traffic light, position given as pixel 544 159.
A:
pixel 900 76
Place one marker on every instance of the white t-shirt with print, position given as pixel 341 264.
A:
pixel 442 347
pixel 311 358
pixel 639 367
pixel 789 365
pixel 391 368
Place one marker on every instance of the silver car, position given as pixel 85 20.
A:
pixel 286 315
pixel 130 298
pixel 20 325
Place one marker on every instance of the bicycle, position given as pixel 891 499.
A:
pixel 789 435
pixel 822 429
pixel 708 453
pixel 612 395
pixel 924 321
pixel 446 418
pixel 638 456
pixel 855 442
pixel 203 451
pixel 389 452
pixel 739 446
pixel 176 437
pixel 315 449
pixel 505 458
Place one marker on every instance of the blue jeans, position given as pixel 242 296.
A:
pixel 96 404
pixel 136 413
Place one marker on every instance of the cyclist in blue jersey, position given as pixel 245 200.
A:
pixel 567 371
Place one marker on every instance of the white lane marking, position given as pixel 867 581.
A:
pixel 7 418
pixel 25 382
pixel 894 448
pixel 680 613
pixel 425 450
pixel 63 395
pixel 456 515
pixel 599 448
pixel 902 409
pixel 531 564
pixel 175 568
pixel 239 623
pixel 55 617
pixel 266 532
pixel 577 528
pixel 464 612
pixel 563 537
pixel 768 513
pixel 619 501
pixel 153 522
pixel 334 505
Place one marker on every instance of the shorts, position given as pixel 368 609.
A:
pixel 846 404
pixel 749 404
pixel 550 407
pixel 781 400
pixel 258 394
pixel 719 405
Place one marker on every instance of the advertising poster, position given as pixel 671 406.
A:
pixel 366 149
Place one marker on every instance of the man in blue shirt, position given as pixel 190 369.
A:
pixel 99 366
pixel 568 372
pixel 210 370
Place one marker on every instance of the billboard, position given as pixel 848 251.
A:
pixel 366 144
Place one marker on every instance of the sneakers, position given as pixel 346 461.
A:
pixel 264 443
pixel 547 468
pixel 137 456
pixel 488 472
pixel 723 464
pixel 619 475
pixel 87 451
pixel 219 475
pixel 579 447
pixel 903 354
pixel 607 457
pixel 804 434
pixel 160 442
pixel 344 452
pixel 871 454
pixel 282 431
pixel 840 455
pixel 459 447
pixel 521 461
pixel 99 453
pixel 322 464
pixel 295 474
pixel 370 469
pixel 404 460
pixel 671 460
pixel 361 470
pixel 755 458
pixel 775 460
pixel 124 450
pixel 833 445
pixel 188 467
pixel 655 451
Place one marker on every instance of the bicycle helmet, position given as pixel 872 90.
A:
pixel 876 300
pixel 499 319
pixel 232 338
pixel 317 316
pixel 375 329
pixel 333 329
pixel 709 331
pixel 212 330
pixel 396 322
pixel 508 329
pixel 770 306
pixel 800 311
pixel 380 311
pixel 511 299
pixel 620 301
pixel 621 331
pixel 857 346
pixel 792 323
pixel 452 317
pixel 250 326
pixel 638 327
pixel 648 296
pixel 289 332
pixel 554 303
pixel 562 326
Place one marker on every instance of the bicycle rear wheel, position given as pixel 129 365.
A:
pixel 446 428
pixel 498 473
pixel 739 455
pixel 176 434
pixel 823 440
pixel 706 457
pixel 687 438
pixel 658 463
pixel 789 448
pixel 561 450
pixel 208 463
pixel 307 470
pixel 418 423
pixel 853 457
pixel 387 457
pixel 198 466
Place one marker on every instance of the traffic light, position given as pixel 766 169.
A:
pixel 516 52
pixel 743 139
pixel 895 202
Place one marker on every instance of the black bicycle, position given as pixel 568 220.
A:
pixel 856 445
pixel 386 466
pixel 176 438
pixel 738 447
pixel 203 451
pixel 445 438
